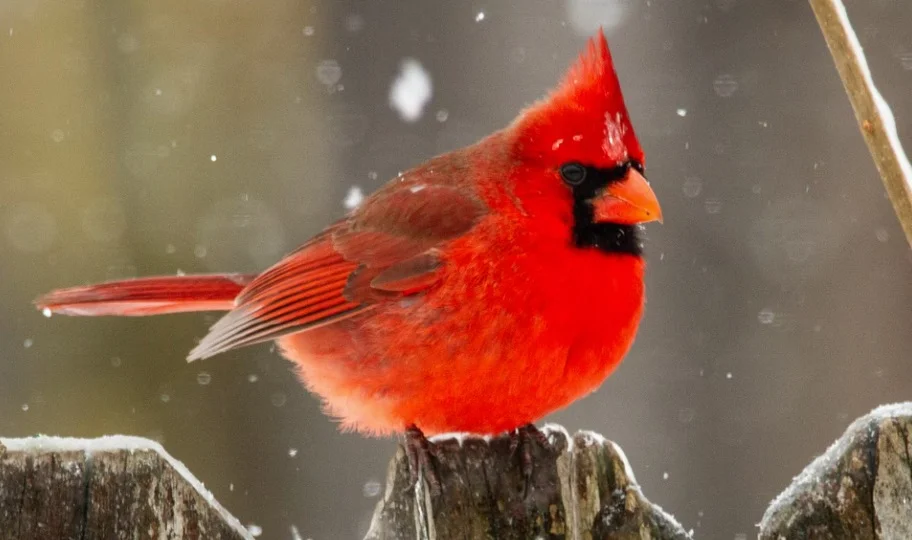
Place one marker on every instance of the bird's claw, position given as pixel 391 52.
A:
pixel 419 452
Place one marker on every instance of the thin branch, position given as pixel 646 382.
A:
pixel 875 119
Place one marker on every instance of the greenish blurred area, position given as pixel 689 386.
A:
pixel 143 138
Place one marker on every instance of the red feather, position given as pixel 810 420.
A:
pixel 332 277
pixel 148 296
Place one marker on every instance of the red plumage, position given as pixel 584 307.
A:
pixel 476 292
pixel 149 296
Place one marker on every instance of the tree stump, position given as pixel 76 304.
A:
pixel 859 489
pixel 580 487
pixel 110 488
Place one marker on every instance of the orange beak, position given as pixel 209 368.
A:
pixel 627 202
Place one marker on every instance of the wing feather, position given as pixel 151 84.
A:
pixel 387 248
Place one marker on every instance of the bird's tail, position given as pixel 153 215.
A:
pixel 148 296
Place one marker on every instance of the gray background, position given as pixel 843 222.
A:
pixel 779 286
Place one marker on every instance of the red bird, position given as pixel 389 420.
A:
pixel 476 292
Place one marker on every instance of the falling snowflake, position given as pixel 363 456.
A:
pixel 411 90
pixel 354 198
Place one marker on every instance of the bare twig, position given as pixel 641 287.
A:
pixel 874 116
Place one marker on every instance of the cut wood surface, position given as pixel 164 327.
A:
pixel 110 488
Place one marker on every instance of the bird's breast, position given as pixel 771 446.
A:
pixel 509 334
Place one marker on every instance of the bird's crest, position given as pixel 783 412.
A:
pixel 588 102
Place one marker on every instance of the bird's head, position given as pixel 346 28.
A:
pixel 580 158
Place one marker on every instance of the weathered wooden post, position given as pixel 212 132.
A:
pixel 110 488
pixel 860 488
pixel 580 487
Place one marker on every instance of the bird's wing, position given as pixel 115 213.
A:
pixel 387 248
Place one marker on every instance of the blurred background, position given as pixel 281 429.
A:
pixel 145 138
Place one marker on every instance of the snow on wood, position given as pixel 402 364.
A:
pixel 879 102
pixel 107 488
pixel 860 488
pixel 878 126
pixel 580 487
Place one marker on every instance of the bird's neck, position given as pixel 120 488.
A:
pixel 608 237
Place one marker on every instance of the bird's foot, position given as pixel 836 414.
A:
pixel 525 438
pixel 419 452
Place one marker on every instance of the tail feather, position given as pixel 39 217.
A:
pixel 148 296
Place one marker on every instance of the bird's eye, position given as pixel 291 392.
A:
pixel 573 174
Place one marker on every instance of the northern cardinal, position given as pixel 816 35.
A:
pixel 476 292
